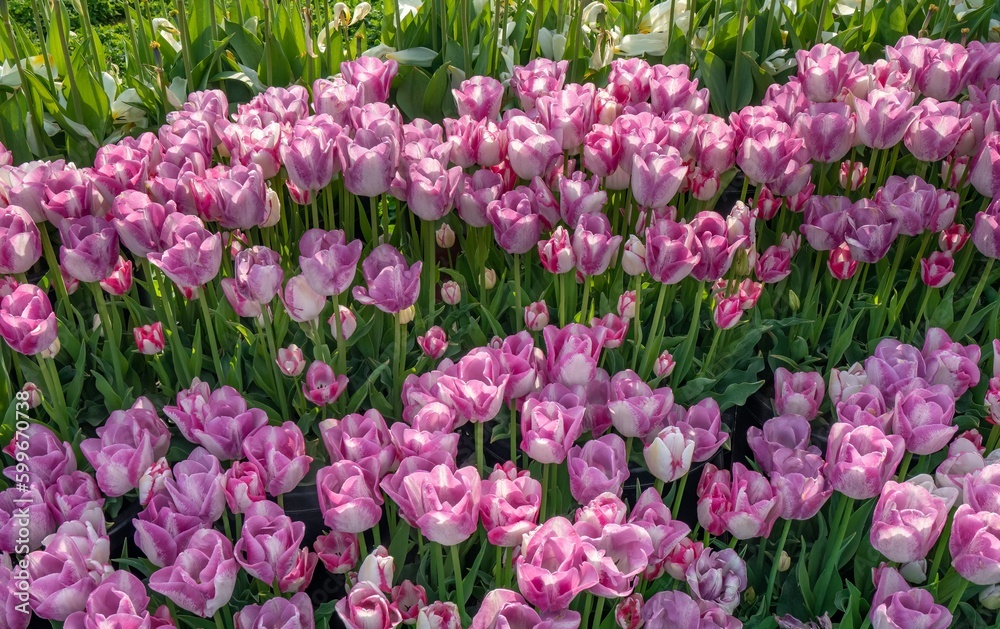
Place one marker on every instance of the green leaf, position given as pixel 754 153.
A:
pixel 112 400
pixel 436 93
pixel 410 95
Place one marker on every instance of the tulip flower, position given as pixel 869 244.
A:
pixel 973 543
pixel 290 360
pixel 909 517
pixel 338 551
pixel 293 613
pixel 278 453
pixel 444 503
pixel 986 231
pixel 549 429
pixel 657 176
pixel 556 253
pixel 203 577
pixel 349 502
pixel 923 418
pixel 258 274
pixel 828 131
pixel 852 175
pixel 434 343
pixel 269 542
pixel 510 505
pixel 593 244
pixel 552 568
pixel 936 269
pixel 217 420
pixel 368 162
pixel 596 468
pixel 823 71
pixel 242 486
pixel 90 248
pixel 360 438
pixel 451 293
pixel 371 76
pixel 479 97
pixel 192 255
pixel 27 322
pixel 392 285
pixel 21 242
pixel 717 577
pixel 573 352
pixel 841 262
pixel 25 518
pixel 883 117
pixel 861 459
pixel 786 432
pixel 126 446
pixel 536 316
pixel 120 599
pixel 328 262
pixel 798 393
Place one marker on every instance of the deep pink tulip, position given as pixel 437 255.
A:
pixel 573 353
pixel 774 264
pixel 218 420
pixel 728 312
pixel 192 255
pixel 20 241
pixel 126 446
pixel 422 443
pixel 861 459
pixel 278 453
pixel 909 517
pixel 392 284
pixel 269 542
pixel 602 150
pixel 76 559
pixel 119 281
pixel 202 578
pixel 434 343
pixel 523 363
pixel 953 238
pixel 615 329
pixel 339 552
pixel 27 322
pixel 841 262
pixel 556 253
pixel 936 269
pixel 852 175
pixel 510 505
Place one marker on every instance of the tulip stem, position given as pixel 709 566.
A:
pixel 546 508
pixel 637 322
pixel 908 287
pixel 904 467
pixel 654 348
pixel 983 279
pixel 275 370
pixel 110 337
pixel 588 604
pixel 939 551
pixel 439 564
pixel 218 620
pixel 430 268
pixel 518 299
pixel 766 603
pixel 841 519
pixel 658 485
pixel 210 333
pixel 51 379
pixel 584 309
pixel 480 456
pixel 692 335
pixel 399 354
pixel 991 441
pixel 678 496
pixel 957 598
pixel 456 565
pixel 513 433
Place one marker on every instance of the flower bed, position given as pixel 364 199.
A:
pixel 571 298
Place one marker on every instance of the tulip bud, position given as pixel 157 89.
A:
pixel 406 315
pixel 7 285
pixel 536 316
pixel 31 394
pixel 52 350
pixel 434 343
pixel 445 236
pixel 451 293
pixel 290 360
pixel 914 571
pixel 990 597
pixel 852 175
pixel 378 569
pixel 841 263
pixel 491 279
pixel 628 612
pixel 793 301
pixel 236 242
pixel 936 269
pixel 120 280
pixel 273 209
pixel 634 256
pixel 664 365
pixel 154 480
pixel 149 339
pixel 727 312
pixel 348 323
pixel 785 562
pixel 953 238
pixel 626 305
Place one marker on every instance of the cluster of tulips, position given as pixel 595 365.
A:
pixel 238 225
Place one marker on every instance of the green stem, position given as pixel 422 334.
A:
pixel 480 455
pixel 904 467
pixel 983 279
pixel 599 612
pixel 658 485
pixel 766 603
pixel 637 322
pixel 584 309
pixel 456 565
pixel 957 598
pixel 438 551
pixel 210 332
pixel 430 269
pixel 939 551
pixel 546 508
pixel 679 495
pixel 110 336
pixel 588 603
pixel 692 335
pixel 518 297
pixel 279 390
pixel 842 518
pixel 513 433
pixel 51 382
pixel 398 358
pixel 653 350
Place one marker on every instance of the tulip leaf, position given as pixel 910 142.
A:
pixel 436 93
pixel 410 94
pixel 324 613
pixel 359 397
pixel 399 547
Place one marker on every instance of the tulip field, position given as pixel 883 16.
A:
pixel 470 314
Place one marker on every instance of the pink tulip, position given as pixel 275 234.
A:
pixel 579 196
pixel 451 293
pixel 668 455
pixel 161 532
pixel 368 162
pixel 852 175
pixel 516 223
pixel 294 613
pixel 540 76
pixel 328 262
pixel 774 265
pixel 825 222
pixel 392 284
pixel 89 249
pixel 444 503
pixel 986 231
pixel 27 322
pixel 602 150
pixel 531 151
pixel 953 238
pixel 506 608
pixel 365 606
pixel 909 517
pixel 936 269
pixel 195 488
pixel 242 486
pixel 408 599
pixel 861 459
pixel 549 429
pixel 241 306
pixel 975 536
pixel 192 255
pixel 824 70
pixel 479 97
pixel 474 195
pixel 203 577
pixel 431 190
pixel 269 542
pixel 670 252
pixel 44 455
pixel 799 393
pixel 371 76
pixel 76 559
pixel 672 608
pixel 278 453
pixel 434 343
pixel 360 438
pixel 217 420
pixel 883 117
pixel 475 385
pixel 717 577
pixel 657 176
pixel 348 499
pixel 572 353
pixel 981 488
pixel 290 360
pixel 421 443
pixel 25 518
pixel 556 253
pixel 828 131
pixel 126 446
pixel 596 468
pixel 338 551
pixel 841 262
pixel 923 418
pixel 912 608
pixel 799 483
pixel 593 244
pixel 703 423
pixel 984 168
pixel 783 433
pixel 120 600
pixel 242 197
pixel 552 567
pixel 21 242
pixel 510 505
